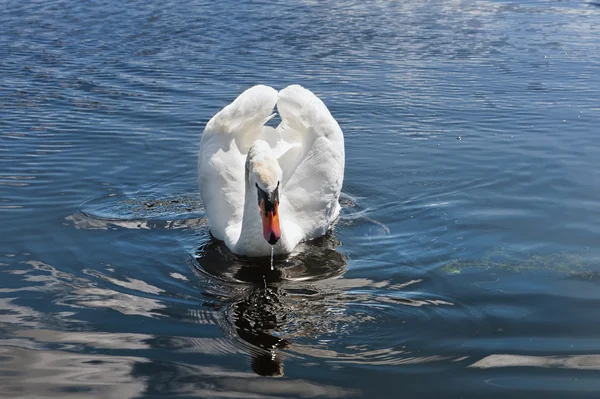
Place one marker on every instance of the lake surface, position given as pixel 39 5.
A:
pixel 465 263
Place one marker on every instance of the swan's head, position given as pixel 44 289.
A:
pixel 263 176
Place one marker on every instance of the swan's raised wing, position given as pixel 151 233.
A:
pixel 225 142
pixel 313 170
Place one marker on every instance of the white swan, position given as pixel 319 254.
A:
pixel 266 188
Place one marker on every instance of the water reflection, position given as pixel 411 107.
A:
pixel 60 374
pixel 579 362
pixel 262 310
pixel 257 319
pixel 313 260
pixel 53 355
pixel 305 309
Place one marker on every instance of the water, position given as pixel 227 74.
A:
pixel 460 268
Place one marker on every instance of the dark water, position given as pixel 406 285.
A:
pixel 466 261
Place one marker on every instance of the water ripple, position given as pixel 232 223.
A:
pixel 468 126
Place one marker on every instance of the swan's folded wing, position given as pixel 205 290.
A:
pixel 223 148
pixel 305 118
pixel 243 119
pixel 313 170
pixel 310 199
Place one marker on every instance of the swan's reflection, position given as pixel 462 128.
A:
pixel 267 313
pixel 310 261
pixel 256 321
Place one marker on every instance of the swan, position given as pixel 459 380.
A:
pixel 266 188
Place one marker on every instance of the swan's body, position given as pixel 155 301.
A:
pixel 290 177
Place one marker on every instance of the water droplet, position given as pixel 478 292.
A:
pixel 272 268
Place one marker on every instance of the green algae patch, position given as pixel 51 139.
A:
pixel 572 264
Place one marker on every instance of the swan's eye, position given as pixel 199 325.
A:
pixel 262 196
pixel 275 194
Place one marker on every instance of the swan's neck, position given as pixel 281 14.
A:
pixel 251 241
pixel 251 221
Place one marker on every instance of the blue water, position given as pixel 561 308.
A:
pixel 464 265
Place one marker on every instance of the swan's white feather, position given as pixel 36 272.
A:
pixel 224 145
pixel 313 171
pixel 309 147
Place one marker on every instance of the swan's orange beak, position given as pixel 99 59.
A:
pixel 270 222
